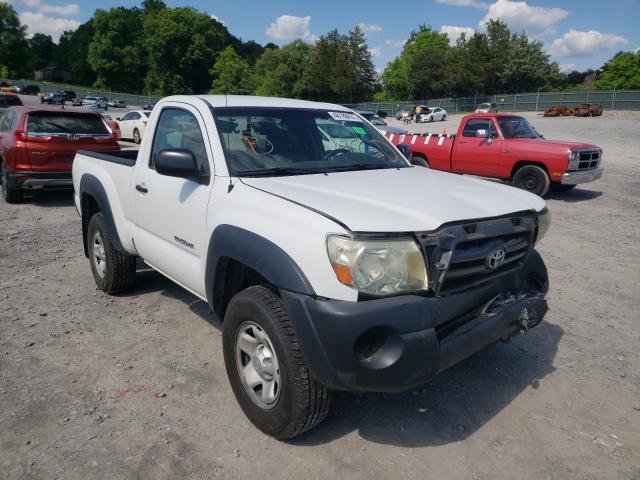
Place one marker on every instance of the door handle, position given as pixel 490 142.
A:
pixel 506 151
pixel 142 189
pixel 460 142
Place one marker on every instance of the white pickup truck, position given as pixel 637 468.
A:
pixel 334 263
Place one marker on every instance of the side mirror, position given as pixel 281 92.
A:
pixel 405 149
pixel 482 133
pixel 177 162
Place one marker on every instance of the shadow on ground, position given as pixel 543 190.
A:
pixel 573 196
pixel 49 198
pixel 449 409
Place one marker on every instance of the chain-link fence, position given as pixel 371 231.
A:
pixel 519 102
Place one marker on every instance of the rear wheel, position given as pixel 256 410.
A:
pixel 112 270
pixel 532 179
pixel 10 194
pixel 136 136
pixel 266 368
pixel 419 161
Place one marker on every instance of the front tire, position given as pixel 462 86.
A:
pixel 113 271
pixel 266 369
pixel 532 179
pixel 10 194
pixel 444 117
pixel 136 136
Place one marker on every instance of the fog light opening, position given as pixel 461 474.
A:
pixel 378 347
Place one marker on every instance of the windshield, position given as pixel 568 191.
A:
pixel 516 127
pixel 287 141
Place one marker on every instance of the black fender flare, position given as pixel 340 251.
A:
pixel 257 253
pixel 90 185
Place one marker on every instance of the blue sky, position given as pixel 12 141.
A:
pixel 578 34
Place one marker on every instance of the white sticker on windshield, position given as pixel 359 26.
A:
pixel 345 116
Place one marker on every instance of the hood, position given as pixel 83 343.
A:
pixel 537 142
pixel 390 129
pixel 399 200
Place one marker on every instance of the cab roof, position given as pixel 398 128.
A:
pixel 255 101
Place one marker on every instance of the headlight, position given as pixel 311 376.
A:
pixel 544 220
pixel 574 160
pixel 377 267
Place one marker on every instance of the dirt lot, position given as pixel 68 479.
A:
pixel 134 386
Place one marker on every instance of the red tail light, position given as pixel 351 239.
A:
pixel 23 136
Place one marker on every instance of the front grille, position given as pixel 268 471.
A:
pixel 588 159
pixel 459 254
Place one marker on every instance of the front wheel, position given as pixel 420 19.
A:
pixel 532 179
pixel 266 369
pixel 444 117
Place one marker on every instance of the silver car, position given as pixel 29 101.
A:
pixel 380 124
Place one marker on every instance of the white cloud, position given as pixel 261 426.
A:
pixel 395 43
pixel 38 22
pixel 584 44
pixel 289 27
pixel 217 19
pixel 70 9
pixel 519 16
pixel 375 52
pixel 454 32
pixel 369 28
pixel 637 50
pixel 465 3
pixel 567 67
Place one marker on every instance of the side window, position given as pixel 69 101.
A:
pixel 134 116
pixel 127 117
pixel 474 125
pixel 178 128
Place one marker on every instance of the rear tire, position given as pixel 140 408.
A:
pixel 419 161
pixel 112 270
pixel 10 194
pixel 262 354
pixel 532 179
pixel 136 136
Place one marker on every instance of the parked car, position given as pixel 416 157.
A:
pixel 588 110
pixel 117 104
pixel 433 114
pixel 9 100
pixel 380 124
pixel 29 90
pixel 37 146
pixel 113 124
pixel 332 267
pixel 133 124
pixel 7 87
pixel 507 147
pixel 69 95
pixel 54 98
pixel 98 102
pixel 487 107
pixel 148 106
pixel 404 113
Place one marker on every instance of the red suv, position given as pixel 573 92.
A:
pixel 37 146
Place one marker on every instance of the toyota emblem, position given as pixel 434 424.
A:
pixel 496 258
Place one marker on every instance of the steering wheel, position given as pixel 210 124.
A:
pixel 337 151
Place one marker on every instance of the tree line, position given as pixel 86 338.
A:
pixel 157 50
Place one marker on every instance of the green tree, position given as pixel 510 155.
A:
pixel 622 71
pixel 115 52
pixel 72 53
pixel 41 51
pixel 231 74
pixel 13 43
pixel 279 72
pixel 181 44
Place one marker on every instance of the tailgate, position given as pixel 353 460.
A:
pixel 53 138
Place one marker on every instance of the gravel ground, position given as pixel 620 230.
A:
pixel 134 386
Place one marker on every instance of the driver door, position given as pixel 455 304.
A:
pixel 477 155
pixel 171 212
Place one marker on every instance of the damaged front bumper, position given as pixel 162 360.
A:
pixel 393 344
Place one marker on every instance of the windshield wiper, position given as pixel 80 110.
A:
pixel 359 166
pixel 275 171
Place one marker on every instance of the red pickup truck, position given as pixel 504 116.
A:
pixel 37 146
pixel 507 147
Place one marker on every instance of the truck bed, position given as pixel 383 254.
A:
pixel 436 148
pixel 121 157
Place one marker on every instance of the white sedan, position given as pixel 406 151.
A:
pixel 133 123
pixel 433 114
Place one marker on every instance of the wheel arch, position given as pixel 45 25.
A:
pixel 93 199
pixel 238 258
